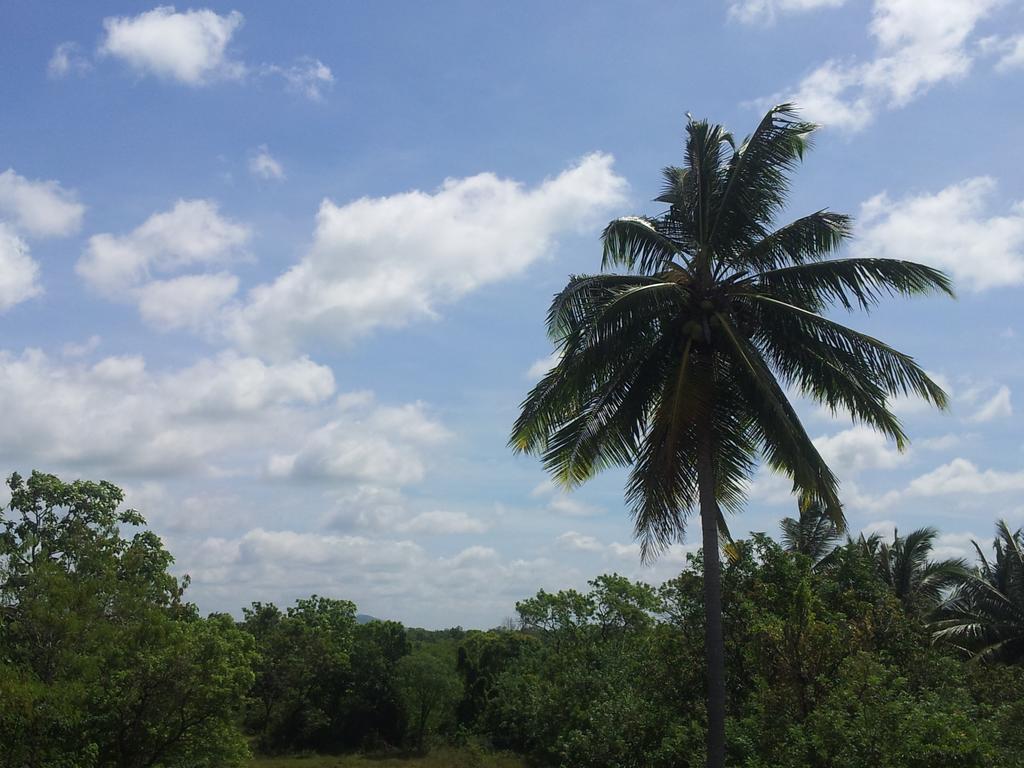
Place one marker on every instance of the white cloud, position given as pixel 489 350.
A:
pixel 543 366
pixel 19 273
pixel 190 46
pixel 226 413
pixel 172 515
pixel 307 77
pixel 954 229
pixel 39 208
pixel 769 487
pixel 189 301
pixel 884 528
pixel 919 43
pixel 388 578
pixel 560 502
pixel 87 347
pixel 625 551
pixel 765 11
pixel 939 443
pixel 856 449
pixel 264 166
pixel 955 544
pixel 963 476
pixel 66 60
pixel 1010 51
pixel 192 233
pixel 443 522
pixel 384 509
pixel 580 542
pixel 996 407
pixel 384 262
pixel 383 445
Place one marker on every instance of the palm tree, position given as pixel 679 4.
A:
pixel 813 534
pixel 985 615
pixel 677 366
pixel 905 565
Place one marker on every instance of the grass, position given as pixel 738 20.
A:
pixel 438 758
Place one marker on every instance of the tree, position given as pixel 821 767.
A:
pixel 678 366
pixel 429 688
pixel 984 616
pixel 905 565
pixel 814 534
pixel 303 673
pixel 102 663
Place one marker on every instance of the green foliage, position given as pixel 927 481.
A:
pixel 323 682
pixel 827 667
pixel 429 688
pixel 678 367
pixel 101 662
pixel 831 662
pixel 984 616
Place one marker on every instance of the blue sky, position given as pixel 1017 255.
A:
pixel 281 271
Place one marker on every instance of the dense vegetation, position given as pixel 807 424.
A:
pixel 840 654
pixel 680 364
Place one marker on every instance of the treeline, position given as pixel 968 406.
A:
pixel 841 654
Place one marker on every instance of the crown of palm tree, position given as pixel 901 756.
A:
pixel 716 313
pixel 905 564
pixel 813 533
pixel 985 615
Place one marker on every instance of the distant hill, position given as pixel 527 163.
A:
pixel 365 618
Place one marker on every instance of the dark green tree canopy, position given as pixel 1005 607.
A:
pixel 984 616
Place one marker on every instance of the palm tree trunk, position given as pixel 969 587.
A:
pixel 714 643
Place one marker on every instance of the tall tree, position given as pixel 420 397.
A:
pixel 905 564
pixel 102 662
pixel 985 615
pixel 678 366
pixel 814 533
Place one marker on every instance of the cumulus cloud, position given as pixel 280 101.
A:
pixel 382 509
pixel 579 541
pixel 963 476
pixel 135 267
pixel 190 46
pixel 385 262
pixel 766 11
pixel 19 273
pixel 442 522
pixel 769 487
pixel 559 502
pixel 225 413
pixel 389 578
pixel 67 60
pixel 192 233
pixel 39 208
pixel 955 229
pixel 853 450
pixel 263 165
pixel 955 544
pixel 382 445
pixel 189 301
pixel 919 44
